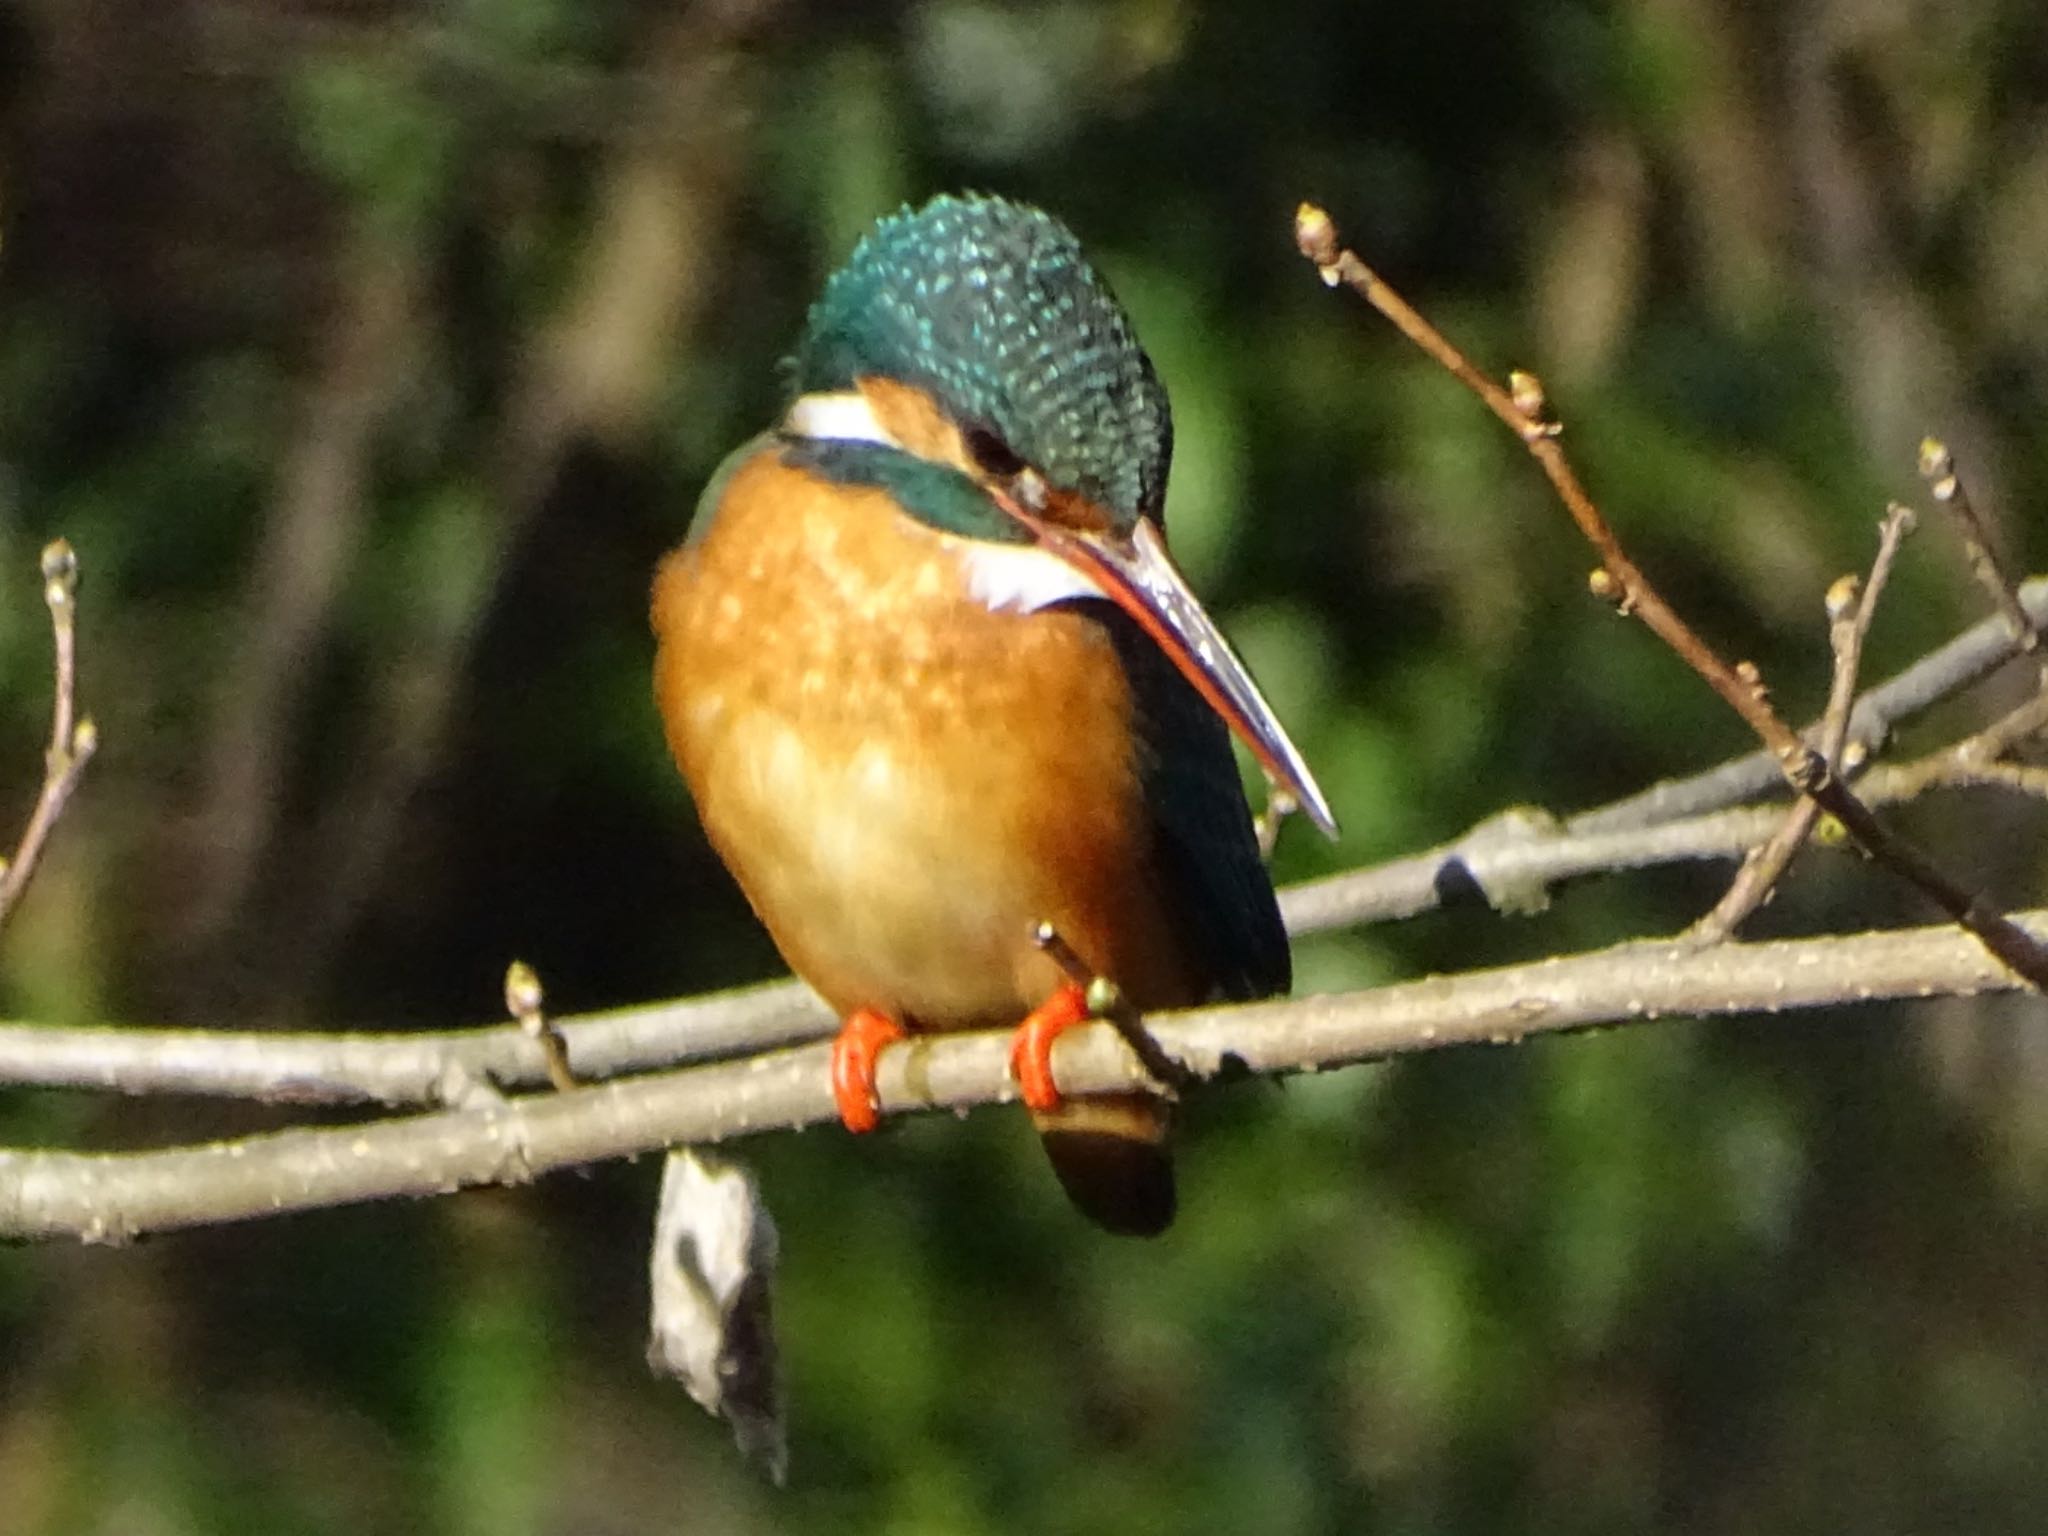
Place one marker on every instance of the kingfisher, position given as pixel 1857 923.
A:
pixel 939 692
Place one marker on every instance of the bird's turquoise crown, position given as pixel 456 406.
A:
pixel 991 307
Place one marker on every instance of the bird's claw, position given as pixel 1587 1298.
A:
pixel 855 1050
pixel 1031 1048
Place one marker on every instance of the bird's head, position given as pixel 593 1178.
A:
pixel 970 361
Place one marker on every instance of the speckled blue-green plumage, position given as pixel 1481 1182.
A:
pixel 991 307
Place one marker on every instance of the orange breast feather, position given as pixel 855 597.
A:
pixel 903 781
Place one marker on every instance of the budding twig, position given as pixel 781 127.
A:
pixel 1945 672
pixel 72 740
pixel 527 1004
pixel 1266 825
pixel 1524 411
pixel 1850 613
pixel 1938 469
pixel 1106 1001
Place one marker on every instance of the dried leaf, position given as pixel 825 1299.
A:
pixel 712 1324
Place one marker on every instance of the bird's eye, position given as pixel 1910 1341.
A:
pixel 1028 486
pixel 991 453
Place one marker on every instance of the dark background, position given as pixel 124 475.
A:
pixel 371 353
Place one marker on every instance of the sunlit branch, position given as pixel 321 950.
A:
pixel 1523 409
pixel 1511 863
pixel 114 1196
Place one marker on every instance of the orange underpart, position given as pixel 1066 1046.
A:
pixel 1031 1050
pixel 854 1051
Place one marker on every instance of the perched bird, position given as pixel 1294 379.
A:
pixel 934 681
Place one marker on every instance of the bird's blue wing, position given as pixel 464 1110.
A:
pixel 1207 853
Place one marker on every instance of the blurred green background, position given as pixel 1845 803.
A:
pixel 370 353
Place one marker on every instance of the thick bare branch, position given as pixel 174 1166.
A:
pixel 439 1067
pixel 112 1197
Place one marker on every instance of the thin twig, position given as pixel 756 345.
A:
pixel 527 1004
pixel 1958 774
pixel 1849 620
pixel 1963 662
pixel 1850 615
pixel 1107 1002
pixel 2005 733
pixel 1938 469
pixel 1523 409
pixel 72 740
pixel 1976 759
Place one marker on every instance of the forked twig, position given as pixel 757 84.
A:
pixel 1941 674
pixel 1523 410
pixel 1849 619
pixel 72 740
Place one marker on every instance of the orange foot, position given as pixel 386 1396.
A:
pixel 1031 1050
pixel 854 1050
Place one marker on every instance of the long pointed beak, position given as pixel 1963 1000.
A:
pixel 1143 580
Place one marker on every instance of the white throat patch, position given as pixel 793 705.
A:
pixel 1005 578
pixel 1021 578
pixel 846 417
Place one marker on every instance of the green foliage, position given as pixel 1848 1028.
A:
pixel 379 138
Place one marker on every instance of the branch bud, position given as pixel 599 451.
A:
pixel 1938 468
pixel 1105 998
pixel 1841 598
pixel 60 573
pixel 523 996
pixel 1315 236
pixel 1526 391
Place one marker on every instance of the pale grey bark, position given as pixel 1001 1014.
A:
pixel 111 1197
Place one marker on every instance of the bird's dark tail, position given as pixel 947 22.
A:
pixel 1113 1161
